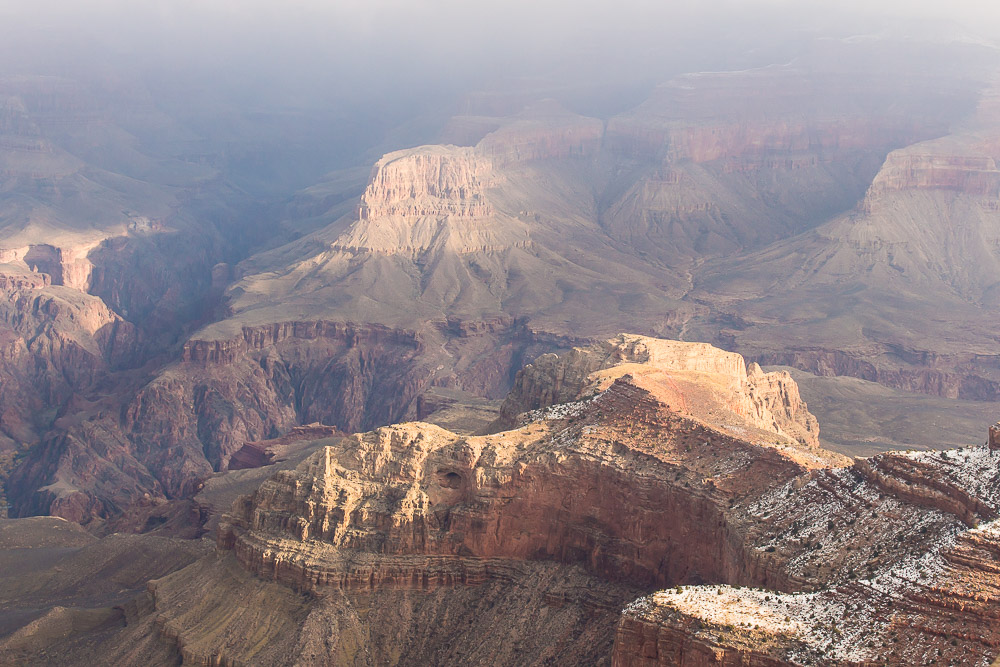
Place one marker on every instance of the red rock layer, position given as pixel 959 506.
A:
pixel 417 506
pixel 910 170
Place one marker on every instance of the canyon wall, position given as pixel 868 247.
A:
pixel 909 170
pixel 765 554
pixel 433 180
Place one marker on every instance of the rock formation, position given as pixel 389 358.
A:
pixel 56 342
pixel 904 599
pixel 768 401
pixel 436 180
pixel 727 207
pixel 926 226
pixel 762 550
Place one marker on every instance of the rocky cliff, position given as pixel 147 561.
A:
pixel 936 604
pixel 434 180
pixel 542 131
pixel 411 510
pixel 762 552
pixel 769 401
pixel 55 342
pixel 909 170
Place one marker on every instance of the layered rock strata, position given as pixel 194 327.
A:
pixel 54 343
pixel 580 490
pixel 769 401
pixel 809 563
pixel 903 566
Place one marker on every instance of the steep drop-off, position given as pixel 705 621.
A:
pixel 769 552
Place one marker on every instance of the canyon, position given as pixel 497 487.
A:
pixel 366 399
pixel 688 216
pixel 619 525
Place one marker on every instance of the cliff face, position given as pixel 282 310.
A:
pixel 541 133
pixel 747 116
pixel 165 435
pixel 768 555
pixel 432 181
pixel 893 592
pixel 55 343
pixel 910 170
pixel 413 510
pixel 457 509
pixel 67 266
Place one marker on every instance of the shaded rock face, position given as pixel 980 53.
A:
pixel 266 452
pixel 56 343
pixel 539 613
pixel 542 134
pixel 965 376
pixel 748 117
pixel 173 431
pixel 176 429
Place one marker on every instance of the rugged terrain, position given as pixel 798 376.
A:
pixel 547 543
pixel 819 214
pixel 322 369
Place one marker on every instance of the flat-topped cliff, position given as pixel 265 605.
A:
pixel 431 180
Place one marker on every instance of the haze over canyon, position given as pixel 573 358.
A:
pixel 564 336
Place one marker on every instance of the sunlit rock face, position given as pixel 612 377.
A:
pixel 718 538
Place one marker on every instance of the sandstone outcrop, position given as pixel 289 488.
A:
pixel 765 554
pixel 433 180
pixel 768 401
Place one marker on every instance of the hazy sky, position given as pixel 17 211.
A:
pixel 394 68
pixel 368 24
pixel 359 47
